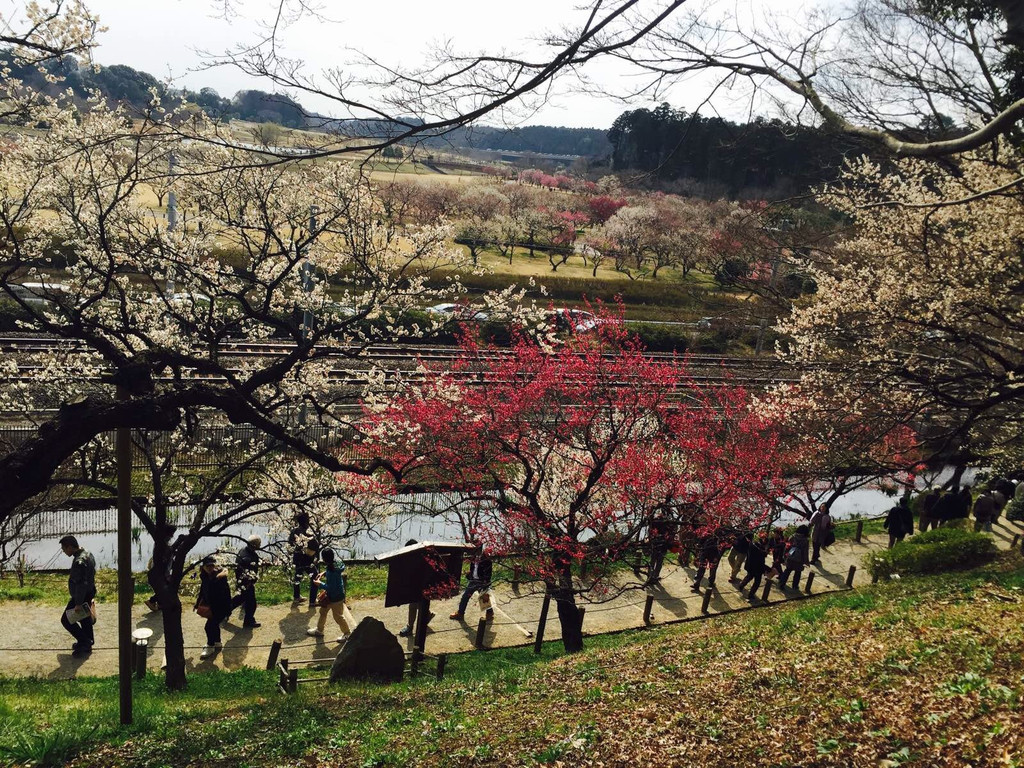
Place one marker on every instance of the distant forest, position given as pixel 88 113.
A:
pixel 670 146
pixel 133 87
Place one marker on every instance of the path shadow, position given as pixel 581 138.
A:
pixel 68 666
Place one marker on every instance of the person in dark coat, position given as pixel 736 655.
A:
pixel 709 553
pixel 214 592
pixel 984 512
pixel 82 591
pixel 797 556
pixel 755 564
pixel 777 549
pixel 899 522
pixel 481 570
pixel 247 573
pixel 738 554
pixel 660 535
pixel 305 550
pixel 945 508
pixel 414 607
pixel 927 519
pixel 820 526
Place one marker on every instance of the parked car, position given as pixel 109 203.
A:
pixel 573 320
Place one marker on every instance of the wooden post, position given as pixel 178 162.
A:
pixel 810 581
pixel 293 680
pixel 275 651
pixel 1016 538
pixel 442 662
pixel 767 590
pixel 860 530
pixel 583 613
pixel 849 576
pixel 648 605
pixel 541 622
pixel 707 599
pixel 515 576
pixel 481 629
pixel 420 636
pixel 141 652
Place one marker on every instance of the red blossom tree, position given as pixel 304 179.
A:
pixel 603 207
pixel 566 455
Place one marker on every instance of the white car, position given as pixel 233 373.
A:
pixel 457 311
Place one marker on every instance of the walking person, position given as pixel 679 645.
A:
pixel 738 553
pixel 796 556
pixel 708 556
pixel 776 546
pixel 414 608
pixel 332 581
pixel 213 602
pixel 821 527
pixel 660 536
pixel 305 550
pixel 984 512
pixel 82 591
pixel 755 564
pixel 899 522
pixel 481 570
pixel 927 519
pixel 247 573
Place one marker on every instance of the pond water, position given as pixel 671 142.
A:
pixel 95 531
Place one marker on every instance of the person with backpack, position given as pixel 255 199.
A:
pixel 332 581
pixel 796 556
pixel 213 602
pixel 755 564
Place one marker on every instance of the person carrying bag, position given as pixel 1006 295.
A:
pixel 332 598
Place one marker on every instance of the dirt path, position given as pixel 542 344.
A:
pixel 32 641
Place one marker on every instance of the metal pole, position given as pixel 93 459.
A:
pixel 125 586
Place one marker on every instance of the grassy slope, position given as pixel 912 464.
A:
pixel 923 672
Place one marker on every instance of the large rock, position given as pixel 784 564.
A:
pixel 371 653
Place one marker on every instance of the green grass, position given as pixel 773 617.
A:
pixel 273 588
pixel 237 718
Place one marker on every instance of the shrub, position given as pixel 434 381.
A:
pixel 942 549
pixel 1015 509
pixel 10 314
pixel 661 338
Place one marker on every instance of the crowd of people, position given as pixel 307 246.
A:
pixel 760 554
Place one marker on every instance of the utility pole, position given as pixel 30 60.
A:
pixel 172 219
pixel 125 582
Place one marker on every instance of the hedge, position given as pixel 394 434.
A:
pixel 941 549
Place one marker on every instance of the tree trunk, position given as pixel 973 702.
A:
pixel 174 638
pixel 568 613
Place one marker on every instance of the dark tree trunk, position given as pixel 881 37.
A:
pixel 568 613
pixel 174 637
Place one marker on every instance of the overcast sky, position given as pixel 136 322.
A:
pixel 165 38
